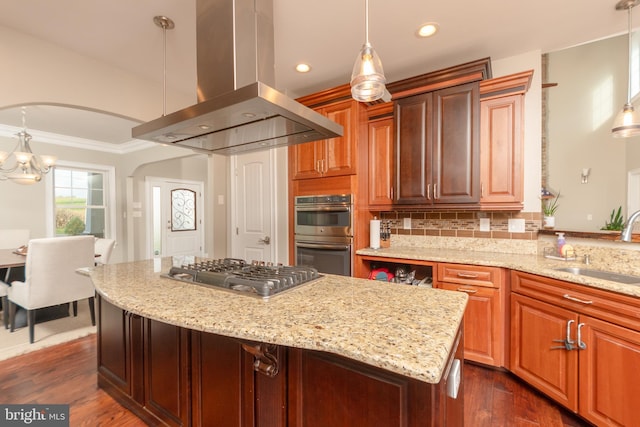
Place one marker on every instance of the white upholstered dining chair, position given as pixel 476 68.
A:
pixel 51 278
pixel 10 238
pixel 104 247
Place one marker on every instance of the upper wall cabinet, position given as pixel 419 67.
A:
pixel 329 157
pixel 438 147
pixel 501 141
pixel 381 155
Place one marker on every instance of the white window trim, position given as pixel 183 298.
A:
pixel 110 172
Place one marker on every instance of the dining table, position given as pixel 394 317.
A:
pixel 9 258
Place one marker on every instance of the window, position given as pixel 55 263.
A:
pixel 80 196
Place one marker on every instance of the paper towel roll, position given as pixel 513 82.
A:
pixel 374 234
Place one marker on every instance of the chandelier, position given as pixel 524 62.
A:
pixel 21 165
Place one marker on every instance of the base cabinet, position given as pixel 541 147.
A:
pixel 142 364
pixel 485 315
pixel 172 376
pixel 566 341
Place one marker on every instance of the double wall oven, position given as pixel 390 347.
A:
pixel 324 233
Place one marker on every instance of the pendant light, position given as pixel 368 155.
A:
pixel 367 78
pixel 22 165
pixel 627 122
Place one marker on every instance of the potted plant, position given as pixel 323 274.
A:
pixel 616 221
pixel 549 208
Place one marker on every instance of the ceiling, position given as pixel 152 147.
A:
pixel 326 34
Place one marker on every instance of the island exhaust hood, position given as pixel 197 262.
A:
pixel 238 110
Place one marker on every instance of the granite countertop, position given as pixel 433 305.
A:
pixel 408 330
pixel 530 263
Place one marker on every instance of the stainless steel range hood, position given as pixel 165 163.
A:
pixel 238 110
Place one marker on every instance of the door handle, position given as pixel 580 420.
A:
pixel 266 240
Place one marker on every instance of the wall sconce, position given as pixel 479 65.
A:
pixel 585 175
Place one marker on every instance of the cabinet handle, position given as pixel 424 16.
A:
pixel 318 166
pixel 325 168
pixel 568 338
pixel 435 191
pixel 428 191
pixel 481 189
pixel 574 299
pixel 581 345
pixel 468 275
pixel 469 291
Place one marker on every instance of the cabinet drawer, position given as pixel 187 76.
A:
pixel 616 308
pixel 475 275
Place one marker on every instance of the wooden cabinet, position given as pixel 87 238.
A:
pixel 327 390
pixel 166 372
pixel 142 364
pixel 537 353
pixel 381 155
pixel 438 147
pixel 485 316
pixel 172 376
pixel 591 378
pixel 329 157
pixel 502 141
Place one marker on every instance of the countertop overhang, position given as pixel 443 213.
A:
pixel 408 330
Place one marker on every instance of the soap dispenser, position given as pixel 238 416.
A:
pixel 560 243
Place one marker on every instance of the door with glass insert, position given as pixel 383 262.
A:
pixel 177 219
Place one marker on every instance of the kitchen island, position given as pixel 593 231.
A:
pixel 336 351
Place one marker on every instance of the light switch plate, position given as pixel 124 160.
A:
pixel 485 224
pixel 516 225
pixel 406 224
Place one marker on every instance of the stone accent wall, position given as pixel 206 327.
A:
pixel 462 224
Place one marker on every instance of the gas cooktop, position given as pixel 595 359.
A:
pixel 257 279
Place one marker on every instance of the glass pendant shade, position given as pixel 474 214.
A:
pixel 627 123
pixel 367 78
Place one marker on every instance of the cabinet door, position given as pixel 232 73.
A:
pixel 329 157
pixel 339 156
pixel 456 147
pixel 414 135
pixel 166 372
pixel 114 351
pixel 501 150
pixel 483 323
pixel 306 159
pixel 609 389
pixel 535 326
pixel 381 162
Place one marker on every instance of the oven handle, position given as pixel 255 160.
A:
pixel 323 209
pixel 323 246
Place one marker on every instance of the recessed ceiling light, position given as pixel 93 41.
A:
pixel 428 29
pixel 303 68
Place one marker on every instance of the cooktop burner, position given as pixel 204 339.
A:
pixel 256 279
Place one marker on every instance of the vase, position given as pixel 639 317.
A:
pixel 548 221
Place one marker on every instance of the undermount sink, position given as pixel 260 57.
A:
pixel 605 275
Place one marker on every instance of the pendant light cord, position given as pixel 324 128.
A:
pixel 166 24
pixel 164 70
pixel 366 21
pixel 630 52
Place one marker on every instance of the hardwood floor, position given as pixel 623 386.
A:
pixel 67 374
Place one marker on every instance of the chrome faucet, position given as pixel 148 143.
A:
pixel 625 236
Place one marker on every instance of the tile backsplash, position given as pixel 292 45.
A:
pixel 463 224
